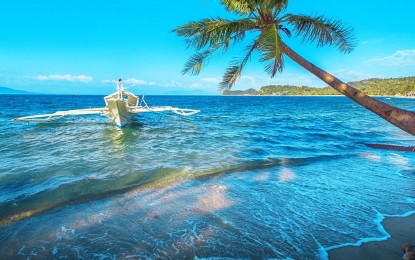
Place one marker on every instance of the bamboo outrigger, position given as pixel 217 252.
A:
pixel 120 107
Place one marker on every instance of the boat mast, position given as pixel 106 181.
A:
pixel 120 87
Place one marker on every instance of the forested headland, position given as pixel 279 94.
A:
pixel 400 87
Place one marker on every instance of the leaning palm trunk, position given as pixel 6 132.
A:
pixel 401 118
pixel 268 18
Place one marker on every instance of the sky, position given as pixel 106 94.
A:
pixel 83 47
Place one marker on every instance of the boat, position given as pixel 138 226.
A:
pixel 121 107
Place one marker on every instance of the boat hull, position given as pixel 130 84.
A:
pixel 121 107
pixel 118 112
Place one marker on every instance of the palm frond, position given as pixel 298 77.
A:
pixel 323 30
pixel 285 30
pixel 195 63
pixel 238 6
pixel 270 49
pixel 234 71
pixel 209 32
pixel 279 5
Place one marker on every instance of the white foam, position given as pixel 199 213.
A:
pixel 378 222
pixel 399 160
pixel 370 157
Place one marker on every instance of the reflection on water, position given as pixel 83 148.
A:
pixel 100 186
pixel 214 199
pixel 371 157
pixel 119 138
pixel 286 175
pixel 400 161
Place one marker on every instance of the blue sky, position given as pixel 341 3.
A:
pixel 82 47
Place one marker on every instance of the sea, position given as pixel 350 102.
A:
pixel 246 178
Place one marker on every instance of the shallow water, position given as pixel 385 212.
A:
pixel 248 177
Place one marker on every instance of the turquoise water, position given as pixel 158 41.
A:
pixel 247 177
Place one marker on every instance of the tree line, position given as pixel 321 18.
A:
pixel 403 86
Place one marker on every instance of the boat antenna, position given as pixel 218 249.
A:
pixel 120 87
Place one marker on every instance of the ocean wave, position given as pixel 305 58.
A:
pixel 83 189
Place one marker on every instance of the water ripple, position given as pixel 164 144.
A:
pixel 248 177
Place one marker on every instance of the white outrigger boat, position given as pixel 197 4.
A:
pixel 120 107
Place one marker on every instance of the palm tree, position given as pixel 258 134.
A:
pixel 269 23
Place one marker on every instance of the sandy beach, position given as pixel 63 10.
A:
pixel 401 230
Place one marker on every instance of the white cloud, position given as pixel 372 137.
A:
pixel 249 80
pixel 351 75
pixel 257 81
pixel 171 83
pixel 212 80
pixel 107 81
pixel 135 82
pixel 296 79
pixel 131 82
pixel 195 85
pixel 399 58
pixel 66 77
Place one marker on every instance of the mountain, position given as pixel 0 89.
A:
pixel 400 87
pixel 10 91
pixel 248 92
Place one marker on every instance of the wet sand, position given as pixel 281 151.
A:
pixel 401 230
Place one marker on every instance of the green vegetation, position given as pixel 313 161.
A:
pixel 269 25
pixel 404 86
pixel 248 92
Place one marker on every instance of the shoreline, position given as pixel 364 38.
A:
pixel 391 97
pixel 398 231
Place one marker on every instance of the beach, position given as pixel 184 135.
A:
pixel 401 231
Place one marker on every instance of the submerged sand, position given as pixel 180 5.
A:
pixel 401 230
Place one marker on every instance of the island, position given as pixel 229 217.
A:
pixel 10 91
pixel 398 87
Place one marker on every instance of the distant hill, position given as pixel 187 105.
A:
pixel 248 92
pixel 401 87
pixel 10 91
